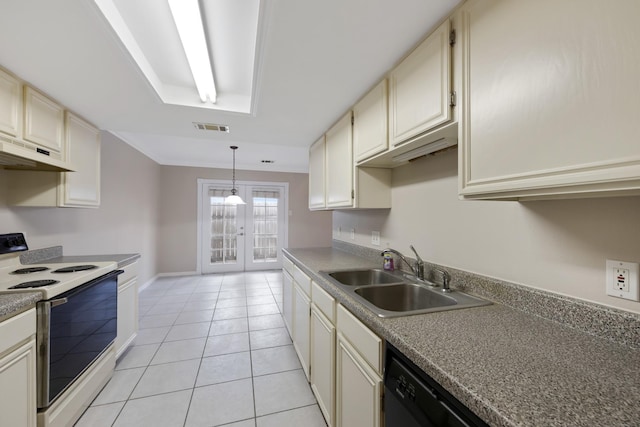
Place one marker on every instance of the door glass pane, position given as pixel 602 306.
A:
pixel 224 239
pixel 265 225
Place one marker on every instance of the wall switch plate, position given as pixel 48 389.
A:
pixel 353 234
pixel 622 279
pixel 375 238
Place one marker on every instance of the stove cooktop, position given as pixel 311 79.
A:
pixel 50 279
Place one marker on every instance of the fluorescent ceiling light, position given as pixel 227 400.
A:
pixel 186 14
pixel 425 149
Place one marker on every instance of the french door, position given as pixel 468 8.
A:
pixel 242 237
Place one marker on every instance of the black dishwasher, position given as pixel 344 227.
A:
pixel 413 399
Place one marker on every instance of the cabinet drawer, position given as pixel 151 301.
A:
pixel 302 280
pixel 287 265
pixel 17 329
pixel 325 302
pixel 130 271
pixel 368 344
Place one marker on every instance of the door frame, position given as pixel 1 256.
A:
pixel 202 182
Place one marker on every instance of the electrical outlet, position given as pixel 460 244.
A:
pixel 622 279
pixel 353 234
pixel 375 238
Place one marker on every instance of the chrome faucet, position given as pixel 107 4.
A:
pixel 417 268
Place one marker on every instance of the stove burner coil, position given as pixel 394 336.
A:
pixel 35 284
pixel 28 270
pixel 74 268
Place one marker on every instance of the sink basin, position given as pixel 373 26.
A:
pixel 404 297
pixel 392 295
pixel 364 277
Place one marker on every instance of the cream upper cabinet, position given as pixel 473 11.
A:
pixel 316 175
pixel 10 104
pixel 550 101
pixel 43 121
pixel 79 189
pixel 420 88
pixel 339 162
pixel 345 184
pixel 82 187
pixel 370 130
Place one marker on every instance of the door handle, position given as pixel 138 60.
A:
pixel 240 234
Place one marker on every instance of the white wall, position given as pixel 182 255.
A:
pixel 558 245
pixel 177 250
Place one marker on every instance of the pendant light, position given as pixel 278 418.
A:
pixel 234 199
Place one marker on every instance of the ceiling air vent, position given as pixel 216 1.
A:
pixel 212 127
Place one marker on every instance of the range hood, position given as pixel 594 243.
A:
pixel 18 154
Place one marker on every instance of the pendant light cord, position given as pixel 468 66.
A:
pixel 233 179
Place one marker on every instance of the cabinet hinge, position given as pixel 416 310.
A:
pixel 452 99
pixel 452 37
pixel 352 120
pixel 353 194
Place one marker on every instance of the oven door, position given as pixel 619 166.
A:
pixel 74 329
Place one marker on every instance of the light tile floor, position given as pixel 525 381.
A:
pixel 211 351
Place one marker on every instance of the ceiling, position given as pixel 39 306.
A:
pixel 314 60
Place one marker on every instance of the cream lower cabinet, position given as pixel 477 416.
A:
pixel 323 352
pixel 549 110
pixel 301 323
pixel 302 317
pixel 127 308
pixel 358 373
pixel 18 370
pixel 287 301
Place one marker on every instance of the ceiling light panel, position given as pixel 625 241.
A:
pixel 148 32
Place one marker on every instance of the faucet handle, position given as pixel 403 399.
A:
pixel 417 256
pixel 446 279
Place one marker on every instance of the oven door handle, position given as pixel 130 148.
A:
pixel 93 282
pixel 59 301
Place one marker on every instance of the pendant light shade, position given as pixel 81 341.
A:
pixel 234 199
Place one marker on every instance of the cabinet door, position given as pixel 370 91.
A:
pixel 370 130
pixel 10 103
pixel 339 162
pixel 420 87
pixel 549 109
pixel 358 389
pixel 287 301
pixel 316 175
pixel 301 323
pixel 323 347
pixel 127 315
pixel 43 121
pixel 18 386
pixel 82 145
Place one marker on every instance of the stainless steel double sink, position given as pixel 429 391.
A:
pixel 394 294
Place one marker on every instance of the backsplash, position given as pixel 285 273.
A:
pixel 594 319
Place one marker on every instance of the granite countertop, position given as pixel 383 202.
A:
pixel 13 304
pixel 509 367
pixel 122 259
